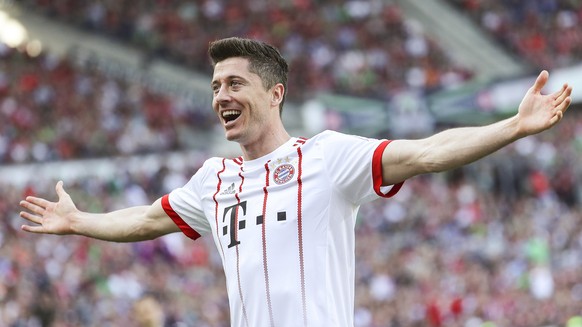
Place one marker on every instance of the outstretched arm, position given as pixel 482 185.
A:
pixel 460 146
pixel 127 225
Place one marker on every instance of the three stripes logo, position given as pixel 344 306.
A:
pixel 230 190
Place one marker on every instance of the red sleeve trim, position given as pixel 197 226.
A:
pixel 377 172
pixel 184 227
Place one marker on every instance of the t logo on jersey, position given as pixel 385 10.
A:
pixel 232 223
pixel 233 213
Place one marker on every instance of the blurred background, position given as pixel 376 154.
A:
pixel 113 98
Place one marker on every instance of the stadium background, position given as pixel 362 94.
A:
pixel 113 98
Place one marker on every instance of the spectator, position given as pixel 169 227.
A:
pixel 362 48
pixel 545 33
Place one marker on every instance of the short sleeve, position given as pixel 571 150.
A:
pixel 184 206
pixel 354 165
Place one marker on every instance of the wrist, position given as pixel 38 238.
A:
pixel 515 128
pixel 76 223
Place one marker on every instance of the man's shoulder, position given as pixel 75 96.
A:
pixel 219 163
pixel 335 136
pixel 327 134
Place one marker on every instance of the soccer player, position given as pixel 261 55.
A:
pixel 282 215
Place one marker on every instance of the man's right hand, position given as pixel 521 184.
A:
pixel 50 217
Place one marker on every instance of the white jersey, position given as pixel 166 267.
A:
pixel 284 226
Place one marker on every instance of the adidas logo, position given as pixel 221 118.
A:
pixel 229 190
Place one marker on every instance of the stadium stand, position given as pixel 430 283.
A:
pixel 346 48
pixel 546 34
pixel 42 120
pixel 497 243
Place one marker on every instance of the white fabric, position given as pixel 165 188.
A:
pixel 278 272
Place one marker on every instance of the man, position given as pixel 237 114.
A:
pixel 147 312
pixel 282 215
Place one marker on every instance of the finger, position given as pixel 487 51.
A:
pixel 565 92
pixel 562 107
pixel 556 118
pixel 32 207
pixel 60 189
pixel 37 201
pixel 560 92
pixel 36 205
pixel 33 229
pixel 30 217
pixel 540 82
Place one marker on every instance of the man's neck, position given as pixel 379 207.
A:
pixel 265 145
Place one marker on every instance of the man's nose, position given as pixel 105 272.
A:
pixel 223 94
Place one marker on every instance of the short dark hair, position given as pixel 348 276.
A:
pixel 264 60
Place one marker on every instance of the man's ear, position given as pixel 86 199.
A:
pixel 277 93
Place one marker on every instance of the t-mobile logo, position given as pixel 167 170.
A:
pixel 233 213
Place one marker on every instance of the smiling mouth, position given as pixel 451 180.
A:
pixel 230 115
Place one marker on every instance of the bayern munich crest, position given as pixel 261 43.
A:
pixel 283 173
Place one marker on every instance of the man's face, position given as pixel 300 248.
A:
pixel 240 101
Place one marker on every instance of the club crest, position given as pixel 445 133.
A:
pixel 283 173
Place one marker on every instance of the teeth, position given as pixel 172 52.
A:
pixel 227 113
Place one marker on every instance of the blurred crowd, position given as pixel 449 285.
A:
pixel 545 33
pixel 56 108
pixel 498 242
pixel 52 109
pixel 365 48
